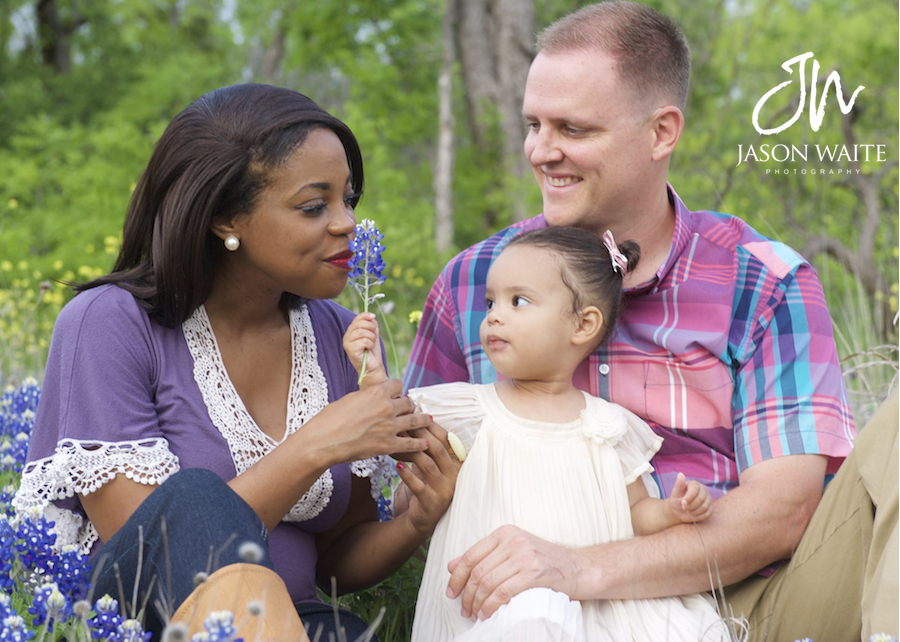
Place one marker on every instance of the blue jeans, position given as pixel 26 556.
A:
pixel 192 523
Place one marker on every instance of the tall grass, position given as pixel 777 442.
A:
pixel 869 361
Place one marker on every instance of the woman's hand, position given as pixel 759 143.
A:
pixel 361 338
pixel 363 424
pixel 431 479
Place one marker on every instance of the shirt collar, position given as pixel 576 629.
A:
pixel 680 237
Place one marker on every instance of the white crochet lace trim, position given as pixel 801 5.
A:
pixel 308 394
pixel 83 466
pixel 379 471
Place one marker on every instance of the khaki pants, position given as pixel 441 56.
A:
pixel 841 584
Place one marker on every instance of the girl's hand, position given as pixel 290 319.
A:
pixel 362 337
pixel 431 479
pixel 689 501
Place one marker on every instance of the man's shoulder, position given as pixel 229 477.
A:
pixel 733 235
pixel 480 255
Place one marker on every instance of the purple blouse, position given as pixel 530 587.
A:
pixel 122 394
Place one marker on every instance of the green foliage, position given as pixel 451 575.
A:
pixel 396 594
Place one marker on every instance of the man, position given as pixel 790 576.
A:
pixel 724 346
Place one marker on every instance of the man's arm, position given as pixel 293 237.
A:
pixel 758 523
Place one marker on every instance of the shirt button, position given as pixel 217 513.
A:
pixel 604 368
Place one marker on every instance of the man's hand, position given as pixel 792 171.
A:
pixel 505 563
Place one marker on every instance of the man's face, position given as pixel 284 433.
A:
pixel 589 140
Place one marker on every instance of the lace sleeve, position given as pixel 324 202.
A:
pixel 82 467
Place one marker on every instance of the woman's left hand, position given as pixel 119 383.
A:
pixel 431 479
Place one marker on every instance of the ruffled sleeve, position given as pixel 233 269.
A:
pixel 628 434
pixel 96 418
pixel 454 406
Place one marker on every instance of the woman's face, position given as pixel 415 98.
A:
pixel 296 239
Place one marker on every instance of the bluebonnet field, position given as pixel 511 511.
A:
pixel 45 593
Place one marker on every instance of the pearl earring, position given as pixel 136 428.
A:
pixel 232 243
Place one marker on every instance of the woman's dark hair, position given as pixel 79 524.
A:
pixel 210 165
pixel 586 268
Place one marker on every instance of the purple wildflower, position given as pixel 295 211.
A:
pixel 366 267
pixel 131 631
pixel 12 629
pixel 7 553
pixel 219 627
pixel 105 624
pixel 49 606
pixel 36 542
pixel 72 572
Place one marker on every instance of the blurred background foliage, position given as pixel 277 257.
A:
pixel 87 87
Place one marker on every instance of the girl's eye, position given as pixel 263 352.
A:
pixel 519 301
pixel 352 200
pixel 489 304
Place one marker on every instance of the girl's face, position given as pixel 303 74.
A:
pixel 297 237
pixel 530 321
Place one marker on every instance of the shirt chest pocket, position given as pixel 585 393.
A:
pixel 688 396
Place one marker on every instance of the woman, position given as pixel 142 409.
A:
pixel 214 320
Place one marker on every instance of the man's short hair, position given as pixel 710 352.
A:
pixel 651 52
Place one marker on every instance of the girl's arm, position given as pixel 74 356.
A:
pixel 688 502
pixel 360 551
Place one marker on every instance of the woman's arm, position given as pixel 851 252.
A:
pixel 688 502
pixel 110 506
pixel 360 425
pixel 360 551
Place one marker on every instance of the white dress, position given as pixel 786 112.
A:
pixel 564 483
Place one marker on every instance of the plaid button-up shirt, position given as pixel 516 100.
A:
pixel 728 353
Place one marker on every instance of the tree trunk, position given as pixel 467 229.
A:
pixel 53 37
pixel 494 39
pixel 475 34
pixel 443 167
pixel 514 31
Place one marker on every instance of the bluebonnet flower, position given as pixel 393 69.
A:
pixel 13 629
pixel 131 631
pixel 384 509
pixel 17 412
pixel 36 543
pixel 8 552
pixel 219 627
pixel 49 606
pixel 105 624
pixel 72 572
pixel 366 267
pixel 5 606
pixel 6 496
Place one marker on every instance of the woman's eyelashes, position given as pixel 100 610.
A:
pixel 350 201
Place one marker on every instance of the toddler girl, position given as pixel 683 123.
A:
pixel 545 456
